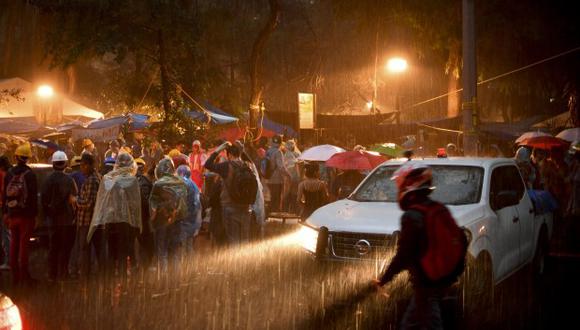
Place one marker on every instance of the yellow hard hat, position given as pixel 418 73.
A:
pixel 24 150
pixel 76 161
pixel 127 150
pixel 174 153
pixel 140 162
pixel 87 142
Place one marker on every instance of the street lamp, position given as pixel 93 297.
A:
pixel 395 65
pixel 45 93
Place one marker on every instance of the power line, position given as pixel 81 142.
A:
pixel 496 77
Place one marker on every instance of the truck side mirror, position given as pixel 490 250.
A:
pixel 505 198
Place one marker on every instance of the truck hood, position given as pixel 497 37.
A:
pixel 377 217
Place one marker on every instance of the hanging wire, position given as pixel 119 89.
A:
pixel 205 111
pixel 496 77
pixel 148 89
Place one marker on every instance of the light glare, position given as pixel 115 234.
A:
pixel 45 91
pixel 397 65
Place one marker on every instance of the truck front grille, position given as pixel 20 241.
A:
pixel 355 245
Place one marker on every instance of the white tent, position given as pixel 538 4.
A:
pixel 26 108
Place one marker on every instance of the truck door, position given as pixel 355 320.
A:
pixel 525 212
pixel 503 200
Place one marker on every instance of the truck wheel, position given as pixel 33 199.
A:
pixel 479 288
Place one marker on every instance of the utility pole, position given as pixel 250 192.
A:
pixel 469 98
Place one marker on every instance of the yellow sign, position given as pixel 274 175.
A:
pixel 306 113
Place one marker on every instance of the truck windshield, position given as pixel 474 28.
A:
pixel 455 185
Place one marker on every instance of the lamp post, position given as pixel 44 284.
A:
pixel 44 93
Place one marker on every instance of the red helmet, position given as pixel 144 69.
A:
pixel 412 176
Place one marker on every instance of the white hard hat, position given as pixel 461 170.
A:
pixel 59 156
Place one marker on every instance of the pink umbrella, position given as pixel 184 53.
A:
pixel 356 160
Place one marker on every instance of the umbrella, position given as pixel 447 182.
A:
pixel 570 134
pixel 355 160
pixel 320 153
pixel 529 135
pixel 388 149
pixel 544 142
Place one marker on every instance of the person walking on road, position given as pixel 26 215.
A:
pixel 118 209
pixel 197 159
pixel 279 172
pixel 168 206
pixel 20 207
pixel 59 194
pixel 417 244
pixel 85 208
pixel 238 192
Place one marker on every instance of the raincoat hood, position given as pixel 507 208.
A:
pixel 169 195
pixel 165 167
pixel 523 155
pixel 118 199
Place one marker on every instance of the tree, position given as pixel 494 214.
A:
pixel 255 61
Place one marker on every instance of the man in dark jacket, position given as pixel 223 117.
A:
pixel 20 209
pixel 424 311
pixel 58 195
pixel 236 217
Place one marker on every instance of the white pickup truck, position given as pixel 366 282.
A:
pixel 486 196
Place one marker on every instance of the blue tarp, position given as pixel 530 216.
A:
pixel 138 117
pixel 106 123
pixel 216 118
pixel 45 144
pixel 273 126
pixel 268 124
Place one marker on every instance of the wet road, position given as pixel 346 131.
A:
pixel 272 285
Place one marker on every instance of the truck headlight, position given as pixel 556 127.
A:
pixel 307 238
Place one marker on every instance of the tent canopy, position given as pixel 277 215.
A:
pixel 268 124
pixel 25 108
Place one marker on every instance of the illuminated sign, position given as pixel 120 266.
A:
pixel 306 110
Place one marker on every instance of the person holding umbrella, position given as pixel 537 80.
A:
pixel 312 192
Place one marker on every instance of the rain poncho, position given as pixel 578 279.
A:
pixel 168 201
pixel 119 197
pixel 193 198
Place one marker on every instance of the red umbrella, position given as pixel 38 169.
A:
pixel 355 160
pixel 544 142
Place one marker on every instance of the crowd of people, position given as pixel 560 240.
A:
pixel 142 208
pixel 132 207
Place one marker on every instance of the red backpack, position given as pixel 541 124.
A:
pixel 446 242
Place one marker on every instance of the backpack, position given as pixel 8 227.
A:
pixel 242 184
pixel 446 243
pixel 267 165
pixel 16 191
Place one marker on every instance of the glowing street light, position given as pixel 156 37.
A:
pixel 397 65
pixel 45 91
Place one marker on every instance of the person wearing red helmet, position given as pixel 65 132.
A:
pixel 414 182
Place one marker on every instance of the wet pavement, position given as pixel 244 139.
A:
pixel 273 285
